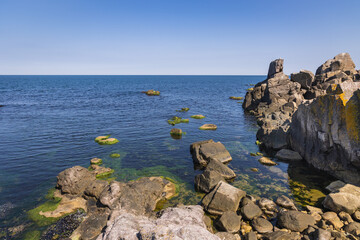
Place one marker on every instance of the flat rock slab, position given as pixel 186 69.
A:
pixel 223 198
pixel 222 169
pixel 207 180
pixel 262 225
pixel 288 155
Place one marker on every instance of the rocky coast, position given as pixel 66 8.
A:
pixel 305 118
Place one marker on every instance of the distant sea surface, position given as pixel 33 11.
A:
pixel 49 123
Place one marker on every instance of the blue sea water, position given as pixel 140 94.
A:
pixel 48 124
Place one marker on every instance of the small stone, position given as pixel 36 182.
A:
pixel 312 209
pixel 334 186
pixel 353 228
pixel 227 236
pixel 208 127
pixel 198 116
pixel 265 203
pixel 236 98
pixel 254 169
pixel 356 216
pixel 251 211
pixel 245 228
pixel 115 155
pixel 250 236
pixel 229 222
pixel 96 161
pixel 295 221
pixel 333 219
pixel 152 92
pixel 176 131
pixel 262 225
pixel 267 161
pixel 345 217
pixel 322 234
pixel 285 202
pixel 207 180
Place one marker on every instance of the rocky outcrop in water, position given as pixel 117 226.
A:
pixel 326 131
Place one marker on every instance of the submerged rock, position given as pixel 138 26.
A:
pixel 199 116
pixel 176 120
pixel 267 161
pixel 152 92
pixel 262 225
pixel 222 169
pixel 176 132
pixel 106 140
pixel 96 161
pixel 208 127
pixel 100 172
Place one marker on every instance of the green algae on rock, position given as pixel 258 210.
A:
pixel 152 92
pixel 50 205
pixel 183 110
pixel 236 98
pixel 115 155
pixel 250 89
pixel 96 161
pixel 198 116
pixel 101 172
pixel 208 127
pixel 176 120
pixel 176 133
pixel 106 140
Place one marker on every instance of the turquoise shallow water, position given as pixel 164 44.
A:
pixel 49 124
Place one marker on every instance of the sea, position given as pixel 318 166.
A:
pixel 49 123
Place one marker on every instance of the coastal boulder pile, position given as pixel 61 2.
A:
pixel 275 100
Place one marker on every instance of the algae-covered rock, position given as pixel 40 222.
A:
pixel 267 161
pixel 176 120
pixel 176 132
pixel 96 161
pixel 208 127
pixel 198 116
pixel 236 98
pixel 101 172
pixel 152 92
pixel 183 110
pixel 115 155
pixel 106 140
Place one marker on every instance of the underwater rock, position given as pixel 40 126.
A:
pixel 295 221
pixel 96 161
pixel 185 222
pixel 74 180
pixel 176 132
pixel 208 126
pixel 204 151
pixel 115 155
pixel 288 155
pixel 5 208
pixel 267 204
pixel 152 92
pixel 222 198
pixel 106 140
pixel 199 116
pixel 267 161
pixel 183 110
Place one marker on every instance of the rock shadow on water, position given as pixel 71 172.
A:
pixel 307 184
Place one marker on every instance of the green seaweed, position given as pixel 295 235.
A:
pixel 105 174
pixel 183 110
pixel 199 116
pixel 115 155
pixel 176 120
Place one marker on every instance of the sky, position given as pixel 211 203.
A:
pixel 171 37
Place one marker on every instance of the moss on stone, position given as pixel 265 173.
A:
pixel 236 98
pixel 50 205
pixel 208 127
pixel 96 161
pixel 199 116
pixel 106 140
pixel 183 110
pixel 105 174
pixel 115 155
pixel 176 120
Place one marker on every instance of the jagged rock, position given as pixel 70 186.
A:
pixel 204 151
pixel 262 225
pixel 326 132
pixel 322 234
pixel 294 220
pixel 285 202
pixel 222 198
pixel 92 226
pixel 229 222
pixel 333 219
pixel 95 188
pixel 275 67
pixel 74 180
pixel 250 211
pixel 178 223
pixel 207 180
pixel 288 155
pixel 304 77
pixel 222 169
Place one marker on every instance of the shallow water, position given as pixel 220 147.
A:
pixel 49 124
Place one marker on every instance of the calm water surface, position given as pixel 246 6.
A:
pixel 49 124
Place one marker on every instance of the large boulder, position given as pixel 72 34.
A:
pixel 204 151
pixel 74 180
pixel 185 222
pixel 288 155
pixel 295 221
pixel 222 198
pixel 275 67
pixel 207 180
pixel 229 222
pixel 304 77
pixel 326 132
pixel 216 166
pixel 345 198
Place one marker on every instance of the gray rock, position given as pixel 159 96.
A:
pixel 275 67
pixel 304 77
pixel 175 223
pixel 250 236
pixel 74 180
pixel 295 221
pixel 204 151
pixel 223 198
pixel 251 211
pixel 222 169
pixel 207 180
pixel 285 202
pixel 262 225
pixel 288 155
pixel 280 235
pixel 322 234
pixel 95 188
pixel 229 222
pixel 335 186
pixel 267 204
pixel 353 228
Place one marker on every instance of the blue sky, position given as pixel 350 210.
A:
pixel 173 36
